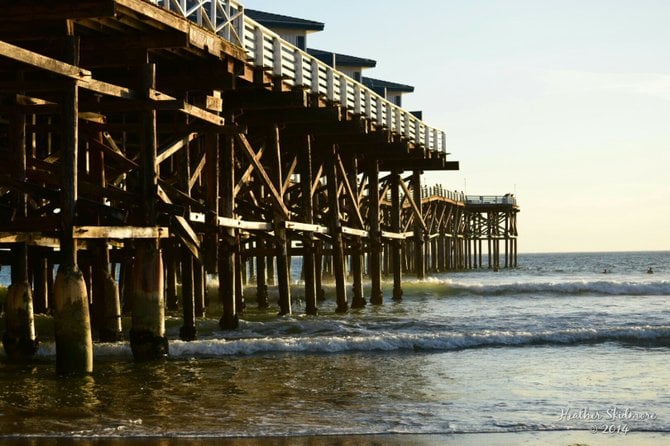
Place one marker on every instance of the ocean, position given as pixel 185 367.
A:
pixel 554 345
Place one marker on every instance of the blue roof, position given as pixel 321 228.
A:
pixel 341 59
pixel 390 86
pixel 271 20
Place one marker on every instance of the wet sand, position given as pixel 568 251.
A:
pixel 562 438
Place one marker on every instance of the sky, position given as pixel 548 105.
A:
pixel 565 103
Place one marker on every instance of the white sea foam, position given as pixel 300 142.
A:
pixel 390 341
pixel 571 287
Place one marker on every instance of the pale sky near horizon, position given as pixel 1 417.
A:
pixel 565 103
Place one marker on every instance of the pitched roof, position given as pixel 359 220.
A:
pixel 391 86
pixel 271 20
pixel 342 59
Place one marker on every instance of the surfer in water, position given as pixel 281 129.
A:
pixel 650 270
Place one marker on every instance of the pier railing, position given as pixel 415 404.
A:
pixel 268 50
pixel 490 199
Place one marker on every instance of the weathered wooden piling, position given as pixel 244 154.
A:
pixel 396 252
pixel 229 318
pixel 188 331
pixel 147 334
pixel 308 258
pixel 19 338
pixel 375 272
pixel 337 241
pixel 72 324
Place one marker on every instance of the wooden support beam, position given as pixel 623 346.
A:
pixel 309 266
pixel 227 271
pixel 376 295
pixel 317 179
pixel 119 232
pixel 336 234
pixel 397 235
pixel 13 12
pixel 288 174
pixel 304 227
pixel 277 200
pixel 250 169
pixel 413 204
pixel 191 110
pixel 182 228
pixel 30 238
pixel 174 146
pixel 227 222
pixel 39 61
pixel 350 193
pixel 396 252
pixel 197 172
pixel 355 232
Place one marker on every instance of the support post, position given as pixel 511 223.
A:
pixel 358 299
pixel 419 242
pixel 281 236
pixel 229 318
pixel 261 283
pixel 336 233
pixel 376 295
pixel 72 322
pixel 395 227
pixel 147 334
pixel 306 180
pixel 19 339
pixel 188 331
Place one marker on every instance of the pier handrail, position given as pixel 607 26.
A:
pixel 266 49
pixel 222 17
pixel 491 199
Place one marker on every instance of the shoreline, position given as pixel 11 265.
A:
pixel 530 438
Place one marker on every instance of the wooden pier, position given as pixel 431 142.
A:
pixel 163 141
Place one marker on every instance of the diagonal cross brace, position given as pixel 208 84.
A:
pixel 277 200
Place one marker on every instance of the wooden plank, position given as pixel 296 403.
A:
pixel 119 232
pixel 113 154
pixel 397 235
pixel 417 212
pixel 191 110
pixel 288 174
pixel 197 171
pixel 197 217
pixel 174 146
pixel 247 173
pixel 18 11
pixel 356 232
pixel 350 193
pixel 107 89
pixel 305 227
pixel 228 222
pixel 42 62
pixel 30 238
pixel 184 230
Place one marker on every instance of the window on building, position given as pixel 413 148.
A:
pixel 300 42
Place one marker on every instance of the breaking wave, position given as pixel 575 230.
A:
pixel 647 336
pixel 575 287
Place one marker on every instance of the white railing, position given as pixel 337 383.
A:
pixel 297 68
pixel 491 199
pixel 222 17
